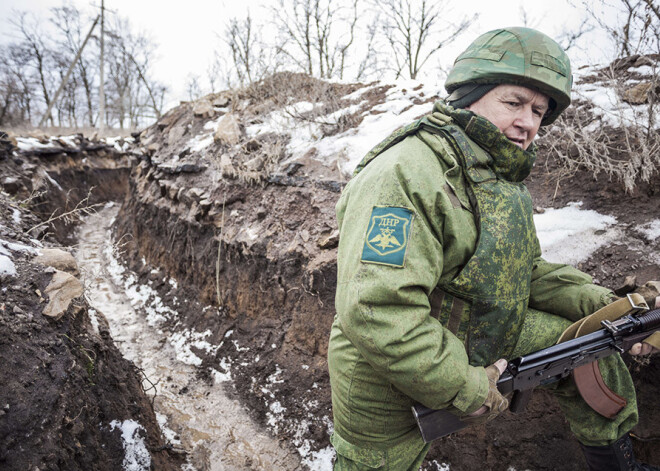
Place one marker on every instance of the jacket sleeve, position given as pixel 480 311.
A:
pixel 565 291
pixel 384 310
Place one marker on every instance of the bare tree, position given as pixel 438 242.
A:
pixel 252 59
pixel 68 22
pixel 132 95
pixel 370 61
pixel 241 42
pixel 38 61
pixel 193 87
pixel 414 33
pixel 40 57
pixel 17 87
pixel 581 138
pixel 9 93
pixel 637 26
pixel 569 38
pixel 316 36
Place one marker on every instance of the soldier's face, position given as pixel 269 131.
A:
pixel 516 111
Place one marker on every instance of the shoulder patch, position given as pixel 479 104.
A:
pixel 387 236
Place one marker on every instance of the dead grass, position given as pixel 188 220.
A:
pixel 628 151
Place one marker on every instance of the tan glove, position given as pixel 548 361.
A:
pixel 495 403
pixel 651 293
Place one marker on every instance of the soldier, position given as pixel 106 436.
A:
pixel 440 271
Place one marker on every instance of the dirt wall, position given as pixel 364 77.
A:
pixel 67 393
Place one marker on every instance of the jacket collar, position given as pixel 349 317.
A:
pixel 509 161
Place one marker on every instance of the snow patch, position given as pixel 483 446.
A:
pixel 318 460
pixel 7 267
pixel 274 378
pixel 221 377
pixel 440 466
pixel 16 216
pixel 200 142
pixel 52 181
pixel 93 320
pixel 118 143
pixel 15 247
pixel 169 434
pixel 185 340
pixel 608 105
pixel 136 455
pixel 30 143
pixel 570 234
pixel 650 230
pixel 346 149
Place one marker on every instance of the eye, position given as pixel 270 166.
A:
pixel 539 112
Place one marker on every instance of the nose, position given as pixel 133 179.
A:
pixel 525 119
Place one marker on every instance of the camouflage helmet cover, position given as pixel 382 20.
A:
pixel 518 56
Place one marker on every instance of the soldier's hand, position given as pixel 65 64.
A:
pixel 495 403
pixel 643 348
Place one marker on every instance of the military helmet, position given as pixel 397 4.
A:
pixel 517 56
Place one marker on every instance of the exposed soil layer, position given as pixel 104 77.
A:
pixel 63 386
pixel 277 305
pixel 66 389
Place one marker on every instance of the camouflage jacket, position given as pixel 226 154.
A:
pixel 390 343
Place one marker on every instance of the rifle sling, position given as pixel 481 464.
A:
pixel 588 378
pixel 595 392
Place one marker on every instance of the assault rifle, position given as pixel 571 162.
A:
pixel 547 366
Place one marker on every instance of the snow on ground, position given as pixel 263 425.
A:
pixel 25 144
pixel 30 143
pixel 650 230
pixel 144 297
pixel 347 148
pixel 608 105
pixel 121 144
pixel 136 455
pixel 7 266
pixel 570 234
pixel 320 460
pixel 169 434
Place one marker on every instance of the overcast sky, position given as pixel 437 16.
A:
pixel 187 32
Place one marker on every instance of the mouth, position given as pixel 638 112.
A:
pixel 517 141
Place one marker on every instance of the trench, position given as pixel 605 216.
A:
pixel 213 431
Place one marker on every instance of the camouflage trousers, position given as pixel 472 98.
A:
pixel 405 456
pixel 539 330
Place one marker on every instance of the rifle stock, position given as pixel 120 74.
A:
pixel 547 366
